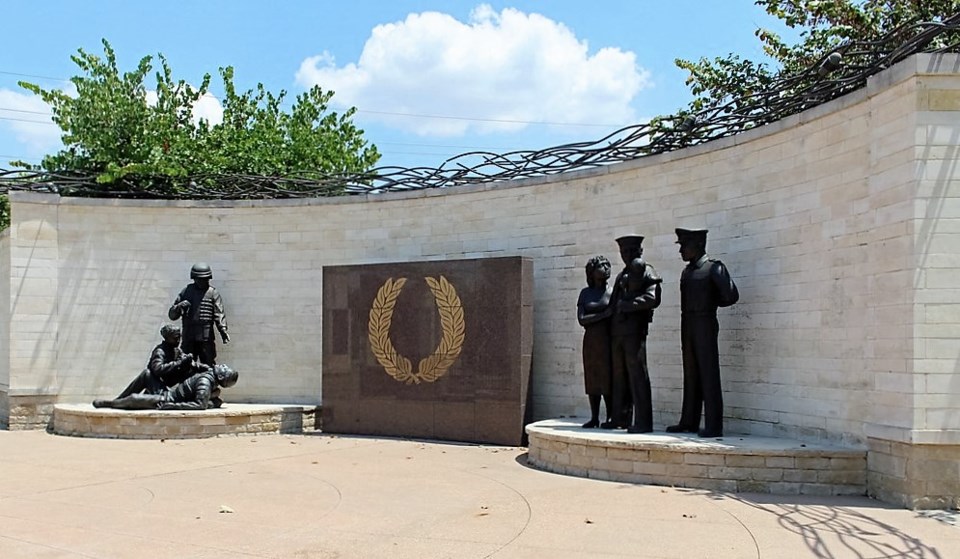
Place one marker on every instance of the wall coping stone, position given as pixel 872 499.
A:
pixel 913 436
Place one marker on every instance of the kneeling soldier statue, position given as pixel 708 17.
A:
pixel 167 365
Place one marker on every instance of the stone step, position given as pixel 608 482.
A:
pixel 84 420
pixel 733 463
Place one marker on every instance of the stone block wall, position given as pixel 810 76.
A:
pixel 30 253
pixel 4 329
pixel 935 238
pixel 919 476
pixel 841 225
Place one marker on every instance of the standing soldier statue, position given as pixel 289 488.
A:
pixel 201 308
pixel 167 365
pixel 705 285
pixel 636 292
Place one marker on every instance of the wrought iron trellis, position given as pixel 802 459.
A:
pixel 837 73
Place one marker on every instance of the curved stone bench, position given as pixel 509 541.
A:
pixel 84 420
pixel 737 463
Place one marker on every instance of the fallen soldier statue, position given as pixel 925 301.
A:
pixel 199 392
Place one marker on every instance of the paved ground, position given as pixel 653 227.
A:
pixel 326 496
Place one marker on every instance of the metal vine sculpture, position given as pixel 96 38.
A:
pixel 837 73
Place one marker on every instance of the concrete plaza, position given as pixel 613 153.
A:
pixel 319 495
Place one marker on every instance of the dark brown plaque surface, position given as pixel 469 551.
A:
pixel 437 349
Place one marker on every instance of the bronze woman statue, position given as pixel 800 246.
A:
pixel 593 313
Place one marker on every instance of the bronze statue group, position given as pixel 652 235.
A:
pixel 182 372
pixel 616 320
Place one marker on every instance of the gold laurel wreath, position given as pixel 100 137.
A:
pixel 451 321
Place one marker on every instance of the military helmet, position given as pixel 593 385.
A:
pixel 201 270
pixel 225 375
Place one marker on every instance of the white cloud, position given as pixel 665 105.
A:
pixel 502 66
pixel 207 108
pixel 28 117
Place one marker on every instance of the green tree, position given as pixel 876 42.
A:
pixel 823 26
pixel 111 131
pixel 4 212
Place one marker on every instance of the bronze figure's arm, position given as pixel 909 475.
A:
pixel 650 297
pixel 179 308
pixel 220 318
pixel 727 291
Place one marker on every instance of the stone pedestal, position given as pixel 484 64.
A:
pixel 83 420
pixel 734 463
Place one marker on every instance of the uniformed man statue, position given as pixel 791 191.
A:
pixel 636 292
pixel 705 285
pixel 201 308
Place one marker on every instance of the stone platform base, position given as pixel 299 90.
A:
pixel 84 420
pixel 737 463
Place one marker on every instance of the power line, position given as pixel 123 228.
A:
pixel 505 121
pixel 487 148
pixel 408 115
pixel 385 113
pixel 501 120
pixel 413 115
pixel 450 146
pixel 33 76
pixel 45 113
pixel 19 157
pixel 441 154
pixel 25 120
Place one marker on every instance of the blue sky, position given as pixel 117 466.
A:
pixel 503 75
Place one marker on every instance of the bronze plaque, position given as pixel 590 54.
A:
pixel 437 350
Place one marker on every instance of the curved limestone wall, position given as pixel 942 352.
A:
pixel 840 225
